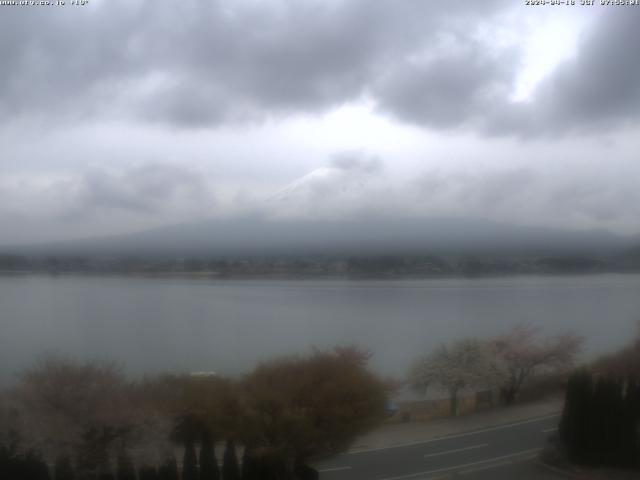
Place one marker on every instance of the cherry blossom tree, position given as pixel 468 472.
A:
pixel 461 365
pixel 521 353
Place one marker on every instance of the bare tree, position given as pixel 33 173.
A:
pixel 302 408
pixel 521 353
pixel 193 405
pixel 66 400
pixel 79 409
pixel 456 367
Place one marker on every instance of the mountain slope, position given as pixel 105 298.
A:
pixel 259 236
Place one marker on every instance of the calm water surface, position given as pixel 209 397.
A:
pixel 226 326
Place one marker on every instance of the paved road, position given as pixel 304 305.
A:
pixel 499 452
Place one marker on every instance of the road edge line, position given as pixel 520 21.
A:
pixel 454 435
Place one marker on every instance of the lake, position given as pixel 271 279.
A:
pixel 151 324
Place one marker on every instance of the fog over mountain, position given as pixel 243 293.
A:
pixel 255 236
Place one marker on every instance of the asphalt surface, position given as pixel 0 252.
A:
pixel 499 452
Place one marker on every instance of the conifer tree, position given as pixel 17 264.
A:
pixel 305 472
pixel 189 462
pixel 250 465
pixel 230 468
pixel 147 472
pixel 106 475
pixel 34 467
pixel 630 437
pixel 600 423
pixel 6 462
pixel 169 470
pixel 634 407
pixel 575 421
pixel 63 470
pixel 125 469
pixel 208 463
pixel 616 446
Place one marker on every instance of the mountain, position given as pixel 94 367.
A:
pixel 256 236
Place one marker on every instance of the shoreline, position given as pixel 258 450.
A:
pixel 302 276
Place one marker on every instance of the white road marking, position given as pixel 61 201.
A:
pixel 550 430
pixel 483 468
pixel 527 456
pixel 465 465
pixel 456 450
pixel 333 469
pixel 458 435
pixel 493 466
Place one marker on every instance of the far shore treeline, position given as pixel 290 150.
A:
pixel 318 266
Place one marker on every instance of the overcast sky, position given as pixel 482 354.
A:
pixel 123 115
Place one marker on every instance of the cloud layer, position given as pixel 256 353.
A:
pixel 435 77
pixel 194 64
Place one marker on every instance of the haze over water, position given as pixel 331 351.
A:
pixel 182 325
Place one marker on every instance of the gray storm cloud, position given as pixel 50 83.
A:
pixel 222 82
pixel 599 88
pixel 356 162
pixel 102 201
pixel 144 188
pixel 208 63
pixel 448 89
